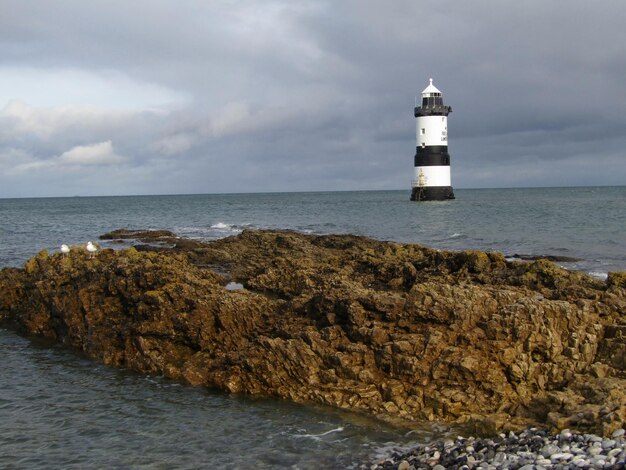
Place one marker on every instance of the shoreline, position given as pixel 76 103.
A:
pixel 530 449
pixel 398 331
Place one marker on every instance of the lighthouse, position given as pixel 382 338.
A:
pixel 431 181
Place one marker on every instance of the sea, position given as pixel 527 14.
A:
pixel 60 410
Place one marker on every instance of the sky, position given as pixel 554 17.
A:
pixel 223 96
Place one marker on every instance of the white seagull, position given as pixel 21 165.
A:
pixel 91 248
pixel 65 249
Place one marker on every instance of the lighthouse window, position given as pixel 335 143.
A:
pixel 423 131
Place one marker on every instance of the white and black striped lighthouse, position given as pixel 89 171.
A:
pixel 431 181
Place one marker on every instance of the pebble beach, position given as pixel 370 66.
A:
pixel 532 449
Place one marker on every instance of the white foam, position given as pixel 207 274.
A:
pixel 222 226
pixel 599 275
pixel 234 286
pixel 317 437
pixel 384 451
pixel 211 232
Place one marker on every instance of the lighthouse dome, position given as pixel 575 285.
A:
pixel 431 90
pixel 432 102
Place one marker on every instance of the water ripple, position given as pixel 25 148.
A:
pixel 59 410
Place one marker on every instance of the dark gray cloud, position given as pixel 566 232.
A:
pixel 155 97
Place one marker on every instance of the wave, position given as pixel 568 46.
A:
pixel 383 452
pixel 318 437
pixel 598 275
pixel 212 232
pixel 222 226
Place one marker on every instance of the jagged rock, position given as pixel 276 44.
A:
pixel 616 280
pixel 397 330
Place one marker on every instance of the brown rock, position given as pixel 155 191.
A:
pixel 399 331
pixel 616 279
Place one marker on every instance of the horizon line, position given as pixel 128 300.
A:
pixel 300 192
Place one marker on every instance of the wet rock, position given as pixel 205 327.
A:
pixel 400 331
pixel 143 235
pixel 151 240
pixel 555 258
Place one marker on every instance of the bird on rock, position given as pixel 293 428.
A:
pixel 65 249
pixel 91 248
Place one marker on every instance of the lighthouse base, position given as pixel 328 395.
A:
pixel 432 193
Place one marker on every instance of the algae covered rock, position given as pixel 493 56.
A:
pixel 616 280
pixel 396 330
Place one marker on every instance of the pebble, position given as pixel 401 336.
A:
pixel 549 449
pixel 593 450
pixel 614 452
pixel 531 449
pixel 608 444
pixel 561 456
pixel 404 465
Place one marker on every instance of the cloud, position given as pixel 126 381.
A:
pixel 10 158
pixel 20 121
pixel 81 156
pixel 186 129
pixel 95 154
pixel 175 144
pixel 70 86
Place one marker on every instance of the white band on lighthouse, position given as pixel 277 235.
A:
pixel 432 130
pixel 431 176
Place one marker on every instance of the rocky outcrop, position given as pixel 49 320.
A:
pixel 397 330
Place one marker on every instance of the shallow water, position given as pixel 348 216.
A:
pixel 60 410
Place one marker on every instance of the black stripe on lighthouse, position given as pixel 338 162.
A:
pixel 432 193
pixel 432 156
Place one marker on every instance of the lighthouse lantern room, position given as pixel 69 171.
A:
pixel 432 161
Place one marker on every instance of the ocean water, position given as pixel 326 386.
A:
pixel 59 410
